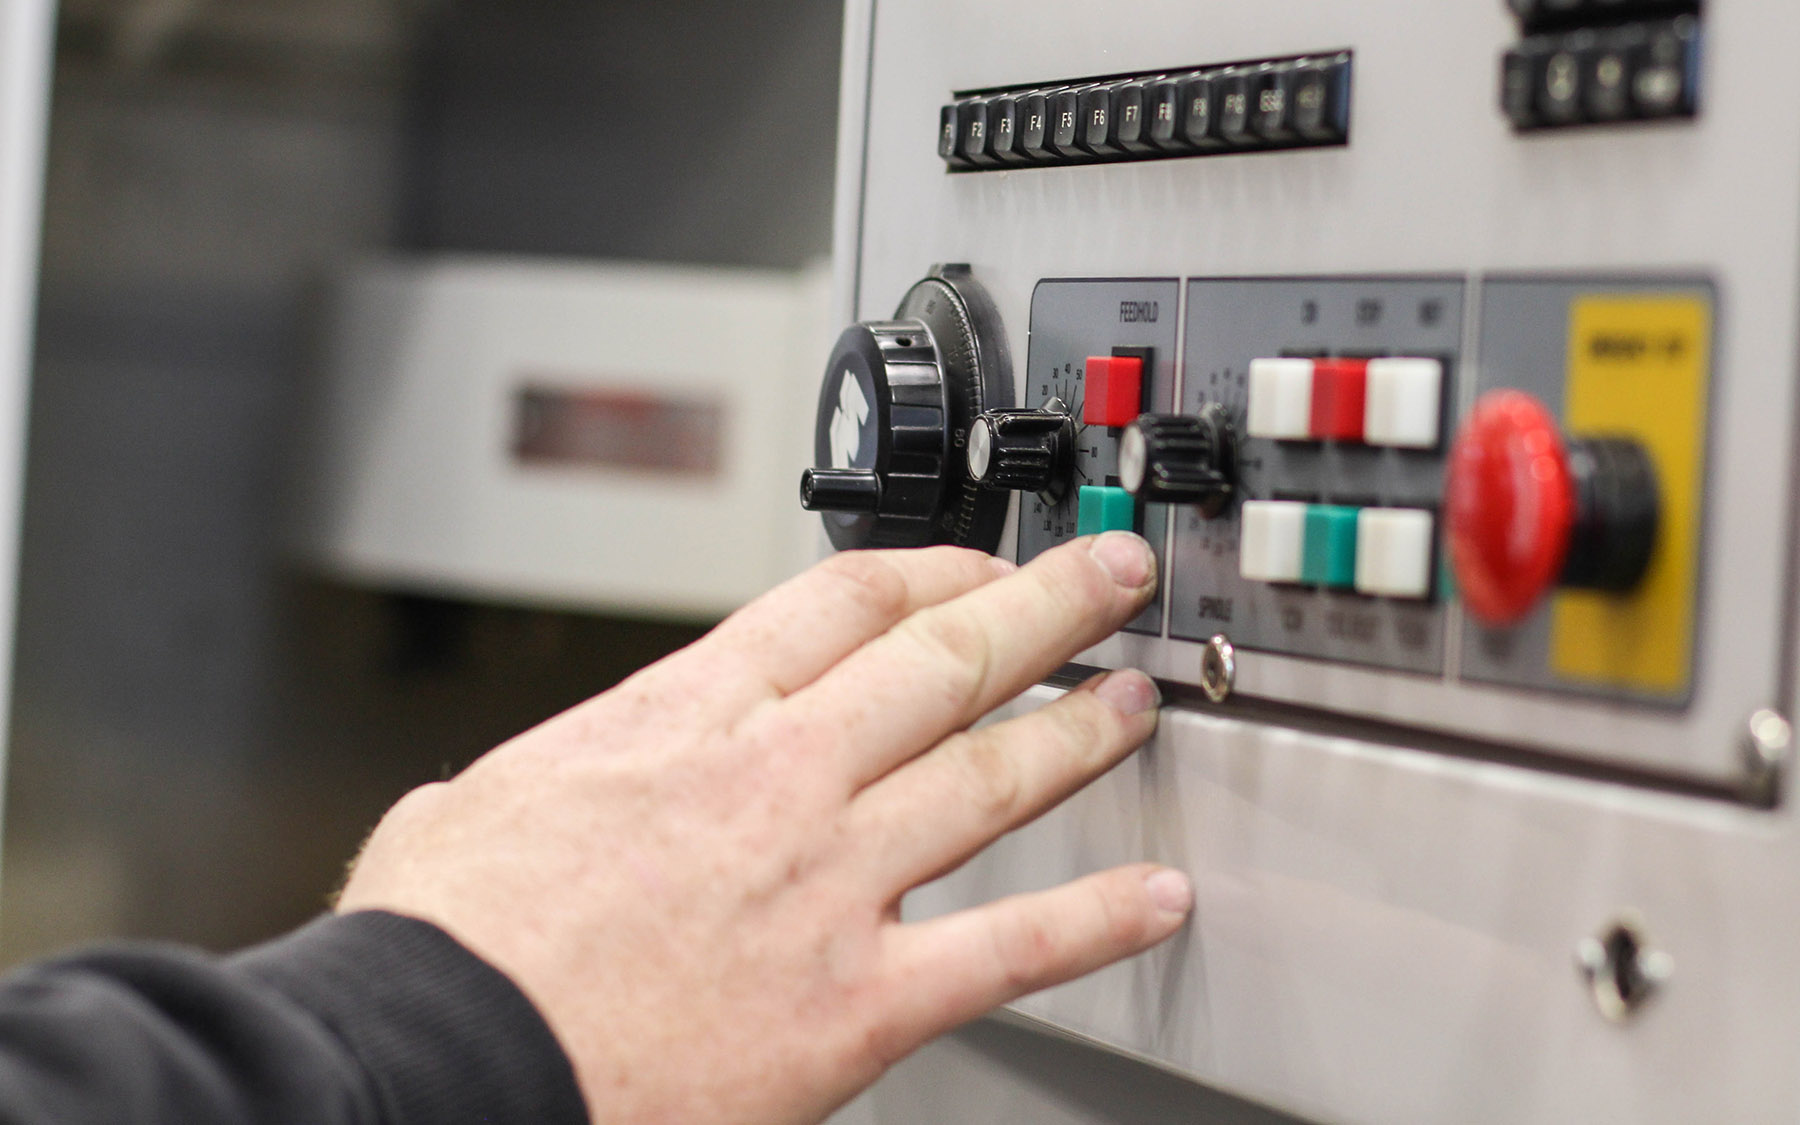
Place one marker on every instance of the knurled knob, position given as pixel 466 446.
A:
pixel 1181 459
pixel 896 405
pixel 1024 450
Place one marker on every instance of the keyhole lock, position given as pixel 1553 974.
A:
pixel 1622 968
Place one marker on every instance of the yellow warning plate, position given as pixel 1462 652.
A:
pixel 1639 365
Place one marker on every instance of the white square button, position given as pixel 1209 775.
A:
pixel 1280 399
pixel 1272 541
pixel 1393 552
pixel 1404 403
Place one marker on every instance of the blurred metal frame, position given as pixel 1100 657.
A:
pixel 26 33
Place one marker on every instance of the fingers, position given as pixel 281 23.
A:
pixel 806 625
pixel 936 811
pixel 953 969
pixel 942 668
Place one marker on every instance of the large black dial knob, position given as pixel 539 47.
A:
pixel 895 412
pixel 1024 450
pixel 1181 459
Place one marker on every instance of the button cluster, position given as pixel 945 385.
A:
pixel 1380 552
pixel 1603 75
pixel 1205 111
pixel 1393 401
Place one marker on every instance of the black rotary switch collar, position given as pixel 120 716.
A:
pixel 1024 450
pixel 880 443
pixel 1181 459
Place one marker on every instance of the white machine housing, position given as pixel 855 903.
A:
pixel 1395 872
pixel 667 406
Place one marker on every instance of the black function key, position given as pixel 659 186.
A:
pixel 1065 124
pixel 1163 108
pixel 972 125
pixel 1003 130
pixel 1200 112
pixel 1520 74
pixel 1272 102
pixel 1606 75
pixel 1665 75
pixel 1235 108
pixel 1558 97
pixel 1034 127
pixel 1321 99
pixel 1099 127
pixel 947 138
pixel 1130 104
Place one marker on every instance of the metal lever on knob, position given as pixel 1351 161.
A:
pixel 1024 450
pixel 840 490
pixel 1181 459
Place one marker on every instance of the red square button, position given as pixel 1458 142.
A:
pixel 1115 390
pixel 1339 397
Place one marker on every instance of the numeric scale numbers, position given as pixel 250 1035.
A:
pixel 1068 384
pixel 1218 537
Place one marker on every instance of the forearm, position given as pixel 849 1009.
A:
pixel 363 1020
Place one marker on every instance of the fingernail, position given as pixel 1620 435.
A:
pixel 1003 567
pixel 1126 557
pixel 1130 692
pixel 1171 891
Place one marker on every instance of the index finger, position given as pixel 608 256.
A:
pixel 944 667
pixel 791 634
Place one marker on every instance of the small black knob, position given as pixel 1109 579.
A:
pixel 1024 450
pixel 1616 514
pixel 1181 459
pixel 840 490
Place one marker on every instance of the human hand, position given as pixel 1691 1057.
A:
pixel 697 876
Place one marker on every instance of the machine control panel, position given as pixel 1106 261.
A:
pixel 1465 480
pixel 1467 445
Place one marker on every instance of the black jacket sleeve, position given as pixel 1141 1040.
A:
pixel 368 1019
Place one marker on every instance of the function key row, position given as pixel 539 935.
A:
pixel 1536 15
pixel 1287 103
pixel 1598 76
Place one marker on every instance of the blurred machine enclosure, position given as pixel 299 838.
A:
pixel 26 28
pixel 612 437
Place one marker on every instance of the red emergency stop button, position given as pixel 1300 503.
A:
pixel 1340 394
pixel 1510 506
pixel 1114 395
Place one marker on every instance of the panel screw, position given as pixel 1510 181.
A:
pixel 1218 669
pixel 1623 970
pixel 1768 742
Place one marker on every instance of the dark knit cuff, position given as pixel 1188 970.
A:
pixel 443 1035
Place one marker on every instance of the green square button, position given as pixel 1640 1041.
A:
pixel 1105 509
pixel 1329 558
